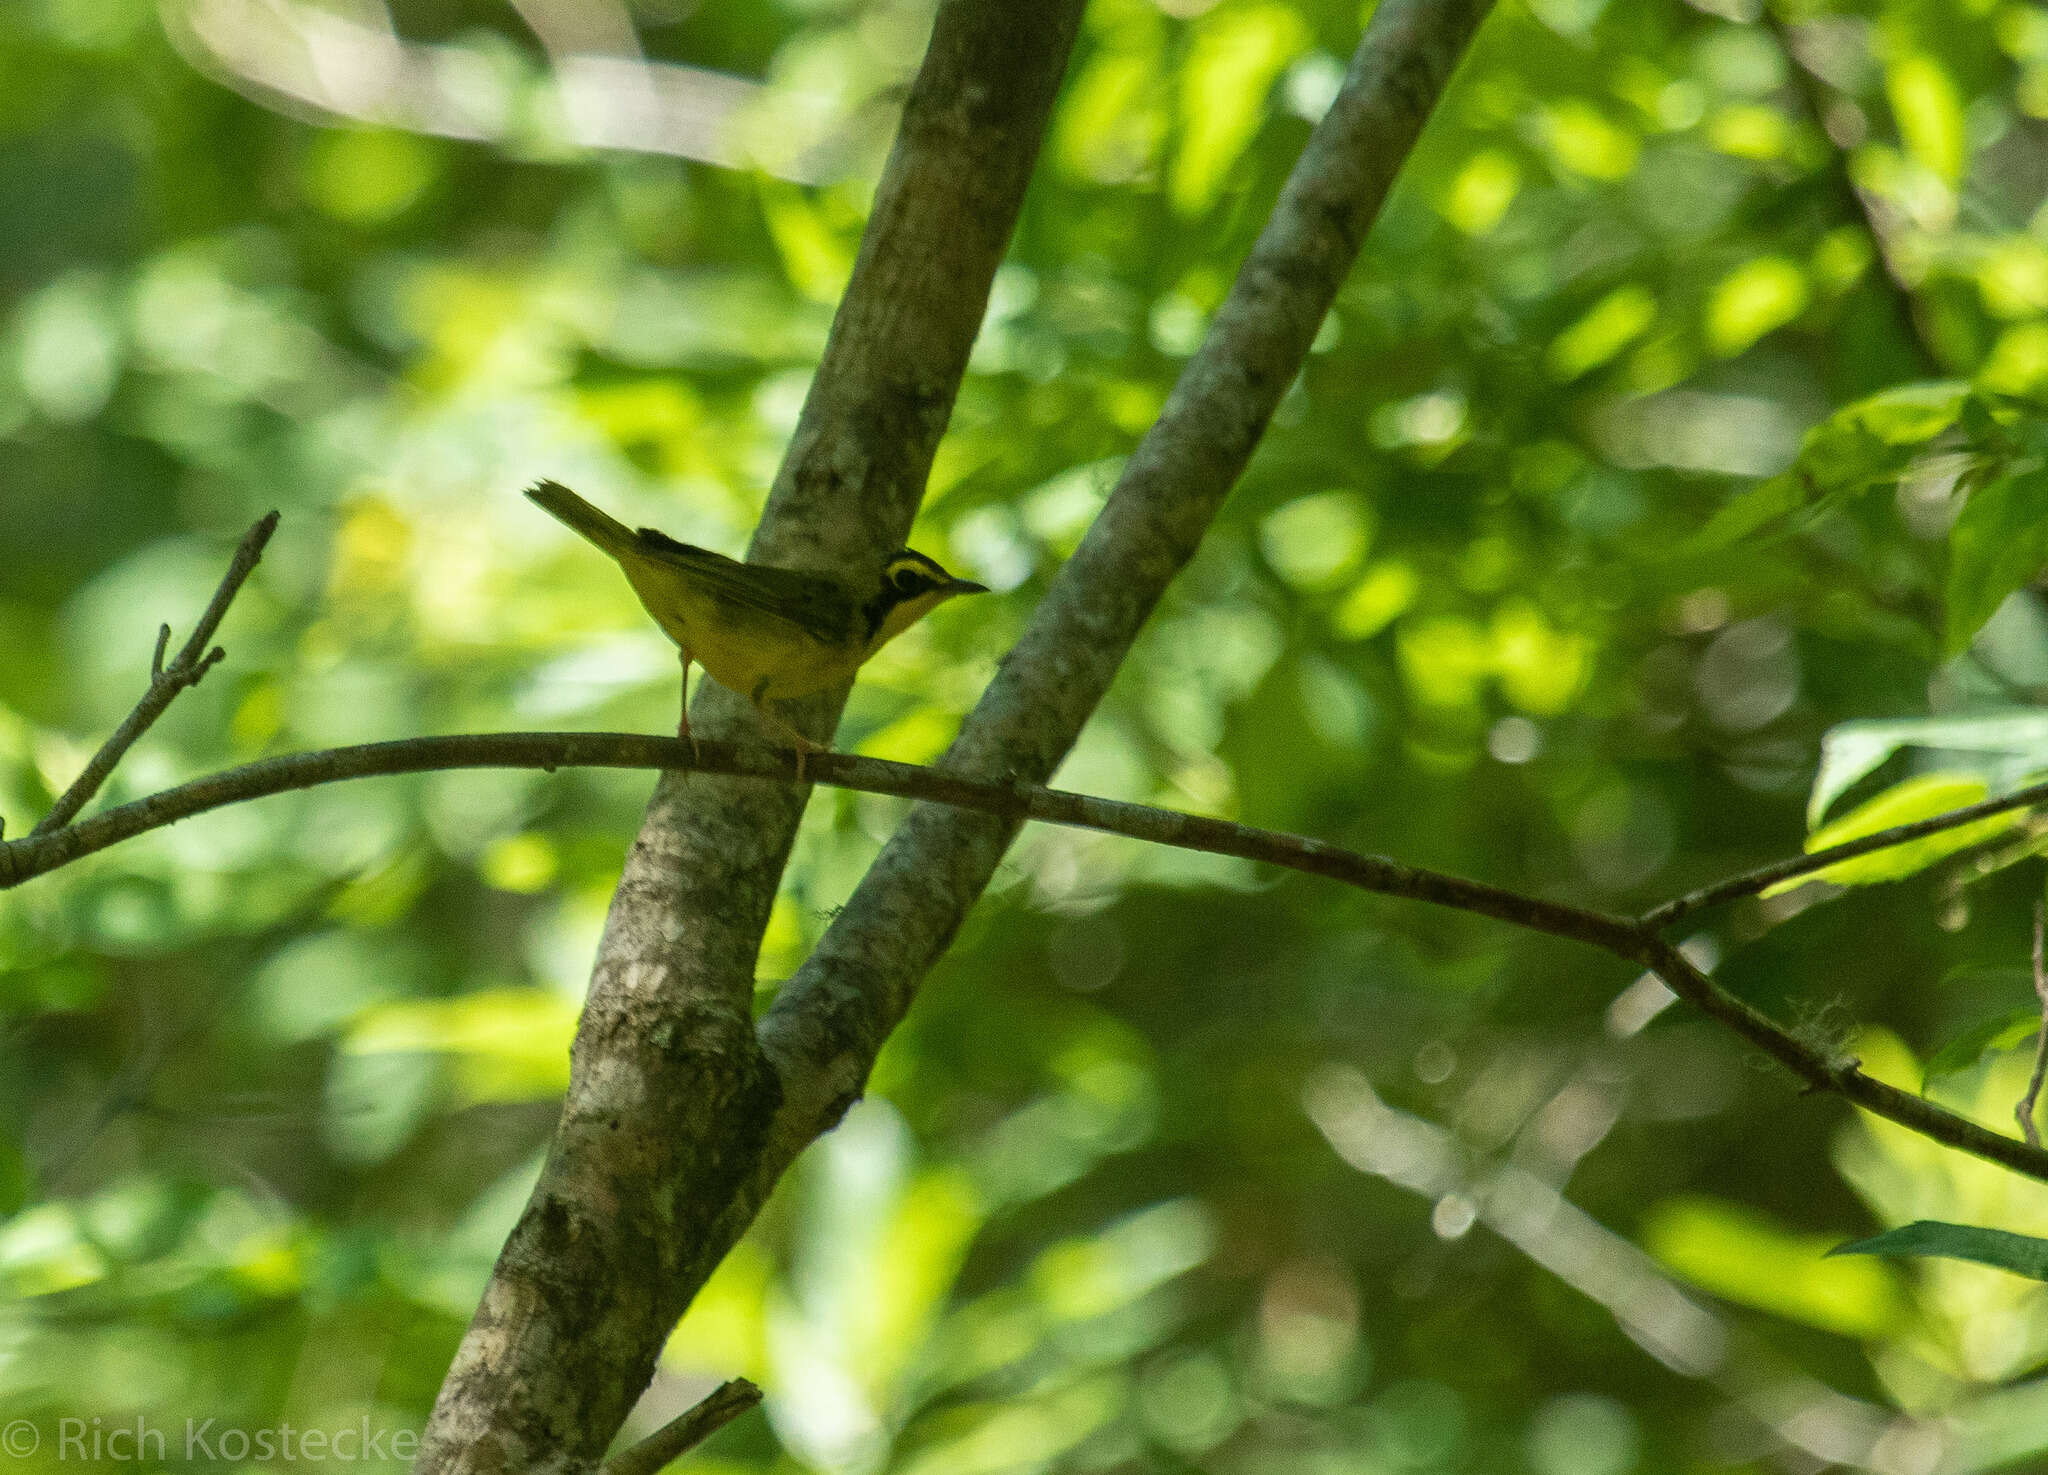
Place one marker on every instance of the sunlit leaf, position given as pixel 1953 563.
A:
pixel 1841 258
pixel 1909 414
pixel 724 1331
pixel 368 177
pixel 817 251
pixel 46 1249
pixel 1608 327
pixel 1445 659
pixel 1998 747
pixel 2018 362
pixel 1238 53
pixel 1541 667
pixel 913 1270
pixel 522 863
pixel 1749 131
pixel 1584 140
pixel 507 1044
pixel 1113 118
pixel 1481 191
pixel 1316 541
pixel 1082 1278
pixel 1739 1254
pixel 2022 1254
pixel 1377 600
pixel 1929 113
pixel 1747 512
pixel 68 346
pixel 1758 296
pixel 1904 803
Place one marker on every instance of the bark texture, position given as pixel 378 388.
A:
pixel 829 1022
pixel 670 1097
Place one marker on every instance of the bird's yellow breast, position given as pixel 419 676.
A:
pixel 760 656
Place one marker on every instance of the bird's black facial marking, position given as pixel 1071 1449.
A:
pixel 906 576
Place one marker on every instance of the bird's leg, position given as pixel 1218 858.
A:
pixel 797 740
pixel 683 726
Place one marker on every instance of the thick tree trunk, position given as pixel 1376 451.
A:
pixel 681 1115
pixel 670 1097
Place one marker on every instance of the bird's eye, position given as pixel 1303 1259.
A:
pixel 908 581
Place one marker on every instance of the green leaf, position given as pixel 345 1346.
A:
pixel 1904 803
pixel 1845 455
pixel 1742 1256
pixel 2022 1254
pixel 1746 512
pixel 1583 140
pixel 2000 1032
pixel 2012 745
pixel 1930 115
pixel 1872 441
pixel 507 1044
pixel 1610 326
pixel 1998 544
pixel 1765 293
pixel 1908 414
pixel 1235 57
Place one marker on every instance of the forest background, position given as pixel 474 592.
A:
pixel 1675 420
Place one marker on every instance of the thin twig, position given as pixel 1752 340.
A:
pixel 2025 1110
pixel 21 860
pixel 686 1431
pixel 193 661
pixel 1749 883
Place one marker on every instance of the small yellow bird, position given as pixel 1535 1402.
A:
pixel 766 633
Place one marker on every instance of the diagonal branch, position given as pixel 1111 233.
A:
pixel 1822 1072
pixel 1763 878
pixel 193 661
pixel 826 1027
pixel 684 1433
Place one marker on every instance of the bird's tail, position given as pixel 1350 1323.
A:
pixel 601 528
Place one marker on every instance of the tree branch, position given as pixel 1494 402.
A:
pixel 681 1115
pixel 165 682
pixel 670 1094
pixel 684 1433
pixel 1763 878
pixel 831 1019
pixel 25 859
pixel 1823 1073
pixel 1014 803
pixel 2024 1111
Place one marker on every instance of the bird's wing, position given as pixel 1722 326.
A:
pixel 817 605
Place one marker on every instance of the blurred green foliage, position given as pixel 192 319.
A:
pixel 1683 410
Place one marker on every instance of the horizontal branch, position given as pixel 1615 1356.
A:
pixel 22 860
pixel 1763 878
pixel 1636 942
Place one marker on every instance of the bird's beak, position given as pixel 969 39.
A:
pixel 966 586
